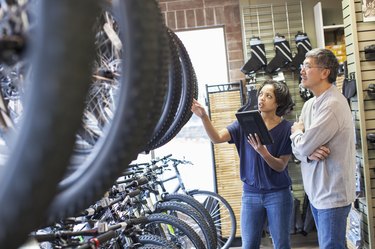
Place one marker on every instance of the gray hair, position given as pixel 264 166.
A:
pixel 326 59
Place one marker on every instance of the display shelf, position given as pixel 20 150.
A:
pixel 333 27
pixel 327 34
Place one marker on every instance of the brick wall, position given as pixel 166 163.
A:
pixel 190 14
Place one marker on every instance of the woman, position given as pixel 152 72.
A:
pixel 263 169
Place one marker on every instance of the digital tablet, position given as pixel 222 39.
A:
pixel 251 122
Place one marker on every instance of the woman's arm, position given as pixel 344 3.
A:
pixel 215 135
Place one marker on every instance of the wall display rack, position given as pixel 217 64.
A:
pixel 358 35
pixel 268 20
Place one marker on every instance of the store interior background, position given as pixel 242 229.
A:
pixel 214 33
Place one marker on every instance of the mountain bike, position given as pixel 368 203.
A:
pixel 153 200
pixel 219 209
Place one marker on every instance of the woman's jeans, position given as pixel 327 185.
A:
pixel 331 226
pixel 256 208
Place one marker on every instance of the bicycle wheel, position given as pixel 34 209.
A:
pixel 191 217
pixel 173 229
pixel 173 97
pixel 153 240
pixel 222 214
pixel 189 200
pixel 138 104
pixel 60 53
pixel 189 91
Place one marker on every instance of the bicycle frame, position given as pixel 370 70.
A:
pixel 180 184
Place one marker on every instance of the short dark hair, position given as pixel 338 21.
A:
pixel 283 98
pixel 326 59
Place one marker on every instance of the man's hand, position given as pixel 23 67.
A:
pixel 320 153
pixel 297 126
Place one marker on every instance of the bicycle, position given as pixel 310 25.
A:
pixel 122 210
pixel 155 201
pixel 219 209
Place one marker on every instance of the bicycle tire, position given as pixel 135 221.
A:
pixel 172 98
pixel 196 205
pixel 189 92
pixel 220 210
pixel 140 22
pixel 189 215
pixel 149 240
pixel 184 230
pixel 53 109
pixel 153 247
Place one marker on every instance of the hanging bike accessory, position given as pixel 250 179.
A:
pixel 258 58
pixel 370 52
pixel 349 87
pixel 283 55
pixel 303 46
pixel 371 91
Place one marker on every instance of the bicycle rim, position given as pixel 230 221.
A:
pixel 222 214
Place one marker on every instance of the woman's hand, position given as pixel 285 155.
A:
pixel 198 109
pixel 276 163
pixel 254 141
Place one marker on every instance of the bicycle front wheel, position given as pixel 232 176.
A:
pixel 173 229
pixel 222 214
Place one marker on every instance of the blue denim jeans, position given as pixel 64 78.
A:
pixel 276 207
pixel 331 226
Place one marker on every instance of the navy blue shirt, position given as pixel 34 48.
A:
pixel 255 173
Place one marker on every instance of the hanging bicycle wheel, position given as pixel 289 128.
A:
pixel 37 144
pixel 222 214
pixel 131 71
pixel 189 92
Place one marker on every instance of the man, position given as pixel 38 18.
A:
pixel 323 140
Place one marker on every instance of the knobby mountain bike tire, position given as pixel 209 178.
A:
pixel 221 213
pixel 189 200
pixel 189 92
pixel 191 217
pixel 61 52
pixel 148 240
pixel 141 93
pixel 173 95
pixel 173 229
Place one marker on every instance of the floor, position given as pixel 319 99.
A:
pixel 297 240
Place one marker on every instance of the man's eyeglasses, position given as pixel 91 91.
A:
pixel 308 67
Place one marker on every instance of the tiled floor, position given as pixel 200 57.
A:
pixel 298 241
